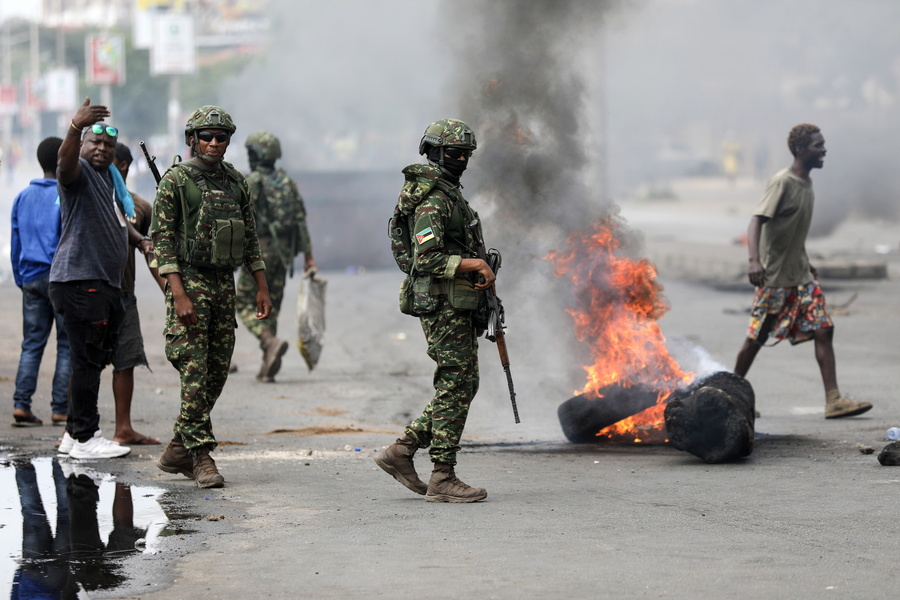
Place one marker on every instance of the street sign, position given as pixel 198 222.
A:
pixel 9 100
pixel 61 89
pixel 105 57
pixel 174 49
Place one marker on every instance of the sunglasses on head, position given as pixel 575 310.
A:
pixel 107 129
pixel 208 136
pixel 457 153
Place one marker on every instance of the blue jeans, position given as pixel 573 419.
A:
pixel 37 322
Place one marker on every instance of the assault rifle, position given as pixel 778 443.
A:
pixel 496 324
pixel 151 162
pixel 496 315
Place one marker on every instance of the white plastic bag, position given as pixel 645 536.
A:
pixel 311 317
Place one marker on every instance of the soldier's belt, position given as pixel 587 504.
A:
pixel 440 286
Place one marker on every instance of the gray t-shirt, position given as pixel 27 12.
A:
pixel 788 203
pixel 94 240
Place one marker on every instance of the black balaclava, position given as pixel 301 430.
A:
pixel 452 168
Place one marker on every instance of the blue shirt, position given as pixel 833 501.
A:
pixel 35 230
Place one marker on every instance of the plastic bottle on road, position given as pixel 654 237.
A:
pixel 893 433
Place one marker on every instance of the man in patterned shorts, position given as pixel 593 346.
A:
pixel 788 302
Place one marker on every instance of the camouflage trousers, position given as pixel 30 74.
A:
pixel 201 352
pixel 453 346
pixel 276 275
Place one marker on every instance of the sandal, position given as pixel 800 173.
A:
pixel 28 419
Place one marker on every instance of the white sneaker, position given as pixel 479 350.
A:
pixel 68 468
pixel 80 469
pixel 65 444
pixel 98 447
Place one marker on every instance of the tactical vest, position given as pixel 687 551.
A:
pixel 421 181
pixel 277 203
pixel 420 294
pixel 218 237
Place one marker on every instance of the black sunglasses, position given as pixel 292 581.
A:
pixel 108 130
pixel 457 153
pixel 207 136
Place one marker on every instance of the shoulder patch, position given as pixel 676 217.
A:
pixel 425 235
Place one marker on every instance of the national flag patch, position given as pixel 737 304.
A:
pixel 424 235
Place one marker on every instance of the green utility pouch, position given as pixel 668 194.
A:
pixel 424 301
pixel 462 294
pixel 406 296
pixel 417 296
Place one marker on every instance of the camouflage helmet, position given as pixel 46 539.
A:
pixel 265 144
pixel 208 117
pixel 448 132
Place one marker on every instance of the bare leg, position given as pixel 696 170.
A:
pixel 123 391
pixel 825 357
pixel 745 357
pixel 751 348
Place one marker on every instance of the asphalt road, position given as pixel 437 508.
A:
pixel 307 514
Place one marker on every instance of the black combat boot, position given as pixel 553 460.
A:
pixel 445 486
pixel 176 459
pixel 397 460
pixel 205 471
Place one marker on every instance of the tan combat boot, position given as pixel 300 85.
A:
pixel 176 459
pixel 205 471
pixel 837 406
pixel 273 349
pixel 397 461
pixel 445 486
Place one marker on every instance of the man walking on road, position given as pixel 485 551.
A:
pixel 203 228
pixel 35 236
pixel 788 301
pixel 281 227
pixel 448 280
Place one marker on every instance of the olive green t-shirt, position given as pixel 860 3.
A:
pixel 788 204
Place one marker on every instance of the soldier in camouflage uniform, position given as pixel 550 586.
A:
pixel 281 227
pixel 448 278
pixel 202 229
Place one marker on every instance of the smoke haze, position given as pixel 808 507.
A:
pixel 523 82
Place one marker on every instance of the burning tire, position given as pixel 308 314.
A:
pixel 714 418
pixel 582 417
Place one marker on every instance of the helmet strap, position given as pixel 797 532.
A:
pixel 213 160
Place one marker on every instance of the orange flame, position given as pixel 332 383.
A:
pixel 618 301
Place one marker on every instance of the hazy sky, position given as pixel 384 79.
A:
pixel 353 83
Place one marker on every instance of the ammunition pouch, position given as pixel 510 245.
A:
pixel 422 294
pixel 462 295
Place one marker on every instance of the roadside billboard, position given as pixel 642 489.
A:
pixel 105 58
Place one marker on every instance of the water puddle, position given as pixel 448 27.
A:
pixel 66 528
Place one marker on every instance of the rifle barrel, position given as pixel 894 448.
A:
pixel 151 162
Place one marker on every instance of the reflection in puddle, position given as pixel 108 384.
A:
pixel 65 527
